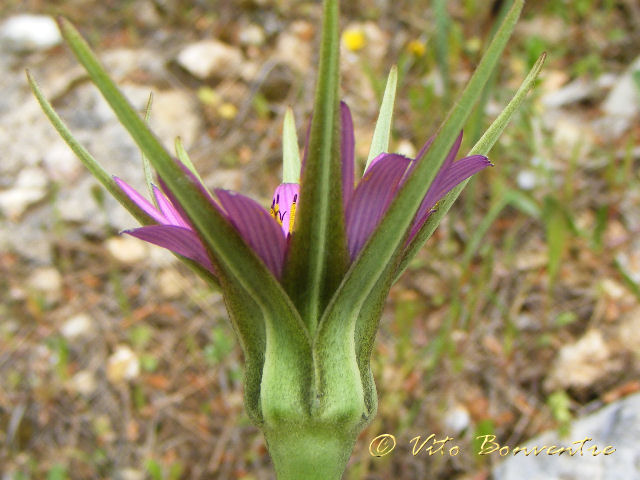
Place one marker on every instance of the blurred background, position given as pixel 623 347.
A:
pixel 521 314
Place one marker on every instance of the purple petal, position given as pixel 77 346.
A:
pixel 347 147
pixel 139 200
pixel 372 198
pixel 425 147
pixel 283 206
pixel 179 240
pixel 444 182
pixel 431 197
pixel 168 210
pixel 259 229
pixel 176 204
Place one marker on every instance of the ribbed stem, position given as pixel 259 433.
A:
pixel 310 451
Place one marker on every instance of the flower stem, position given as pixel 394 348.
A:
pixel 310 452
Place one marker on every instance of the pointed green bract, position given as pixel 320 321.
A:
pixel 290 150
pixel 86 158
pixel 382 133
pixel 146 166
pixel 387 242
pixel 183 156
pixel 318 252
pixel 482 147
pixel 286 366
pixel 103 177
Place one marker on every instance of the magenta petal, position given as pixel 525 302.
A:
pixel 347 151
pixel 168 210
pixel 259 229
pixel 446 180
pixel 139 200
pixel 458 172
pixel 432 194
pixel 283 205
pixel 424 148
pixel 179 240
pixel 372 198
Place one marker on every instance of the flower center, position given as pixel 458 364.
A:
pixel 284 216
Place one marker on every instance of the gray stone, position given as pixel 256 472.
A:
pixel 622 105
pixel 210 58
pixel 575 91
pixel 583 363
pixel 29 188
pixel 46 281
pixel 617 425
pixel 29 33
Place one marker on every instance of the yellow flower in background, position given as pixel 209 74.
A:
pixel 417 47
pixel 354 39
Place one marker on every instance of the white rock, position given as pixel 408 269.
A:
pixel 628 332
pixel 28 32
pixel 622 105
pixel 210 58
pixel 123 364
pixel 79 325
pixel 569 132
pixel 294 48
pixel 406 148
pixel 617 425
pixel 527 179
pixel 61 163
pixel 251 35
pixel 30 187
pixel 553 29
pixel 127 249
pixel 84 382
pixel 171 283
pixel 131 474
pixel 582 363
pixel 47 281
pixel 623 99
pixel 574 92
pixel 612 289
pixel 457 419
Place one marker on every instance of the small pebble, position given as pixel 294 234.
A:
pixel 210 58
pixel 127 250
pixel 123 364
pixel 84 382
pixel 23 33
pixel 48 282
pixel 79 325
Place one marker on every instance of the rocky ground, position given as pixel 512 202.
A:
pixel 521 315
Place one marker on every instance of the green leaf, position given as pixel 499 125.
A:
pixel 103 177
pixel 482 147
pixel 146 166
pixel 285 374
pixel 442 42
pixel 290 150
pixel 85 157
pixel 183 156
pixel 557 235
pixel 318 252
pixel 384 247
pixel 382 133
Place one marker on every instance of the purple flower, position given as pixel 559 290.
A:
pixel 267 233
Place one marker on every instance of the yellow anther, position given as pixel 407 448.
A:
pixel 274 211
pixel 292 216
